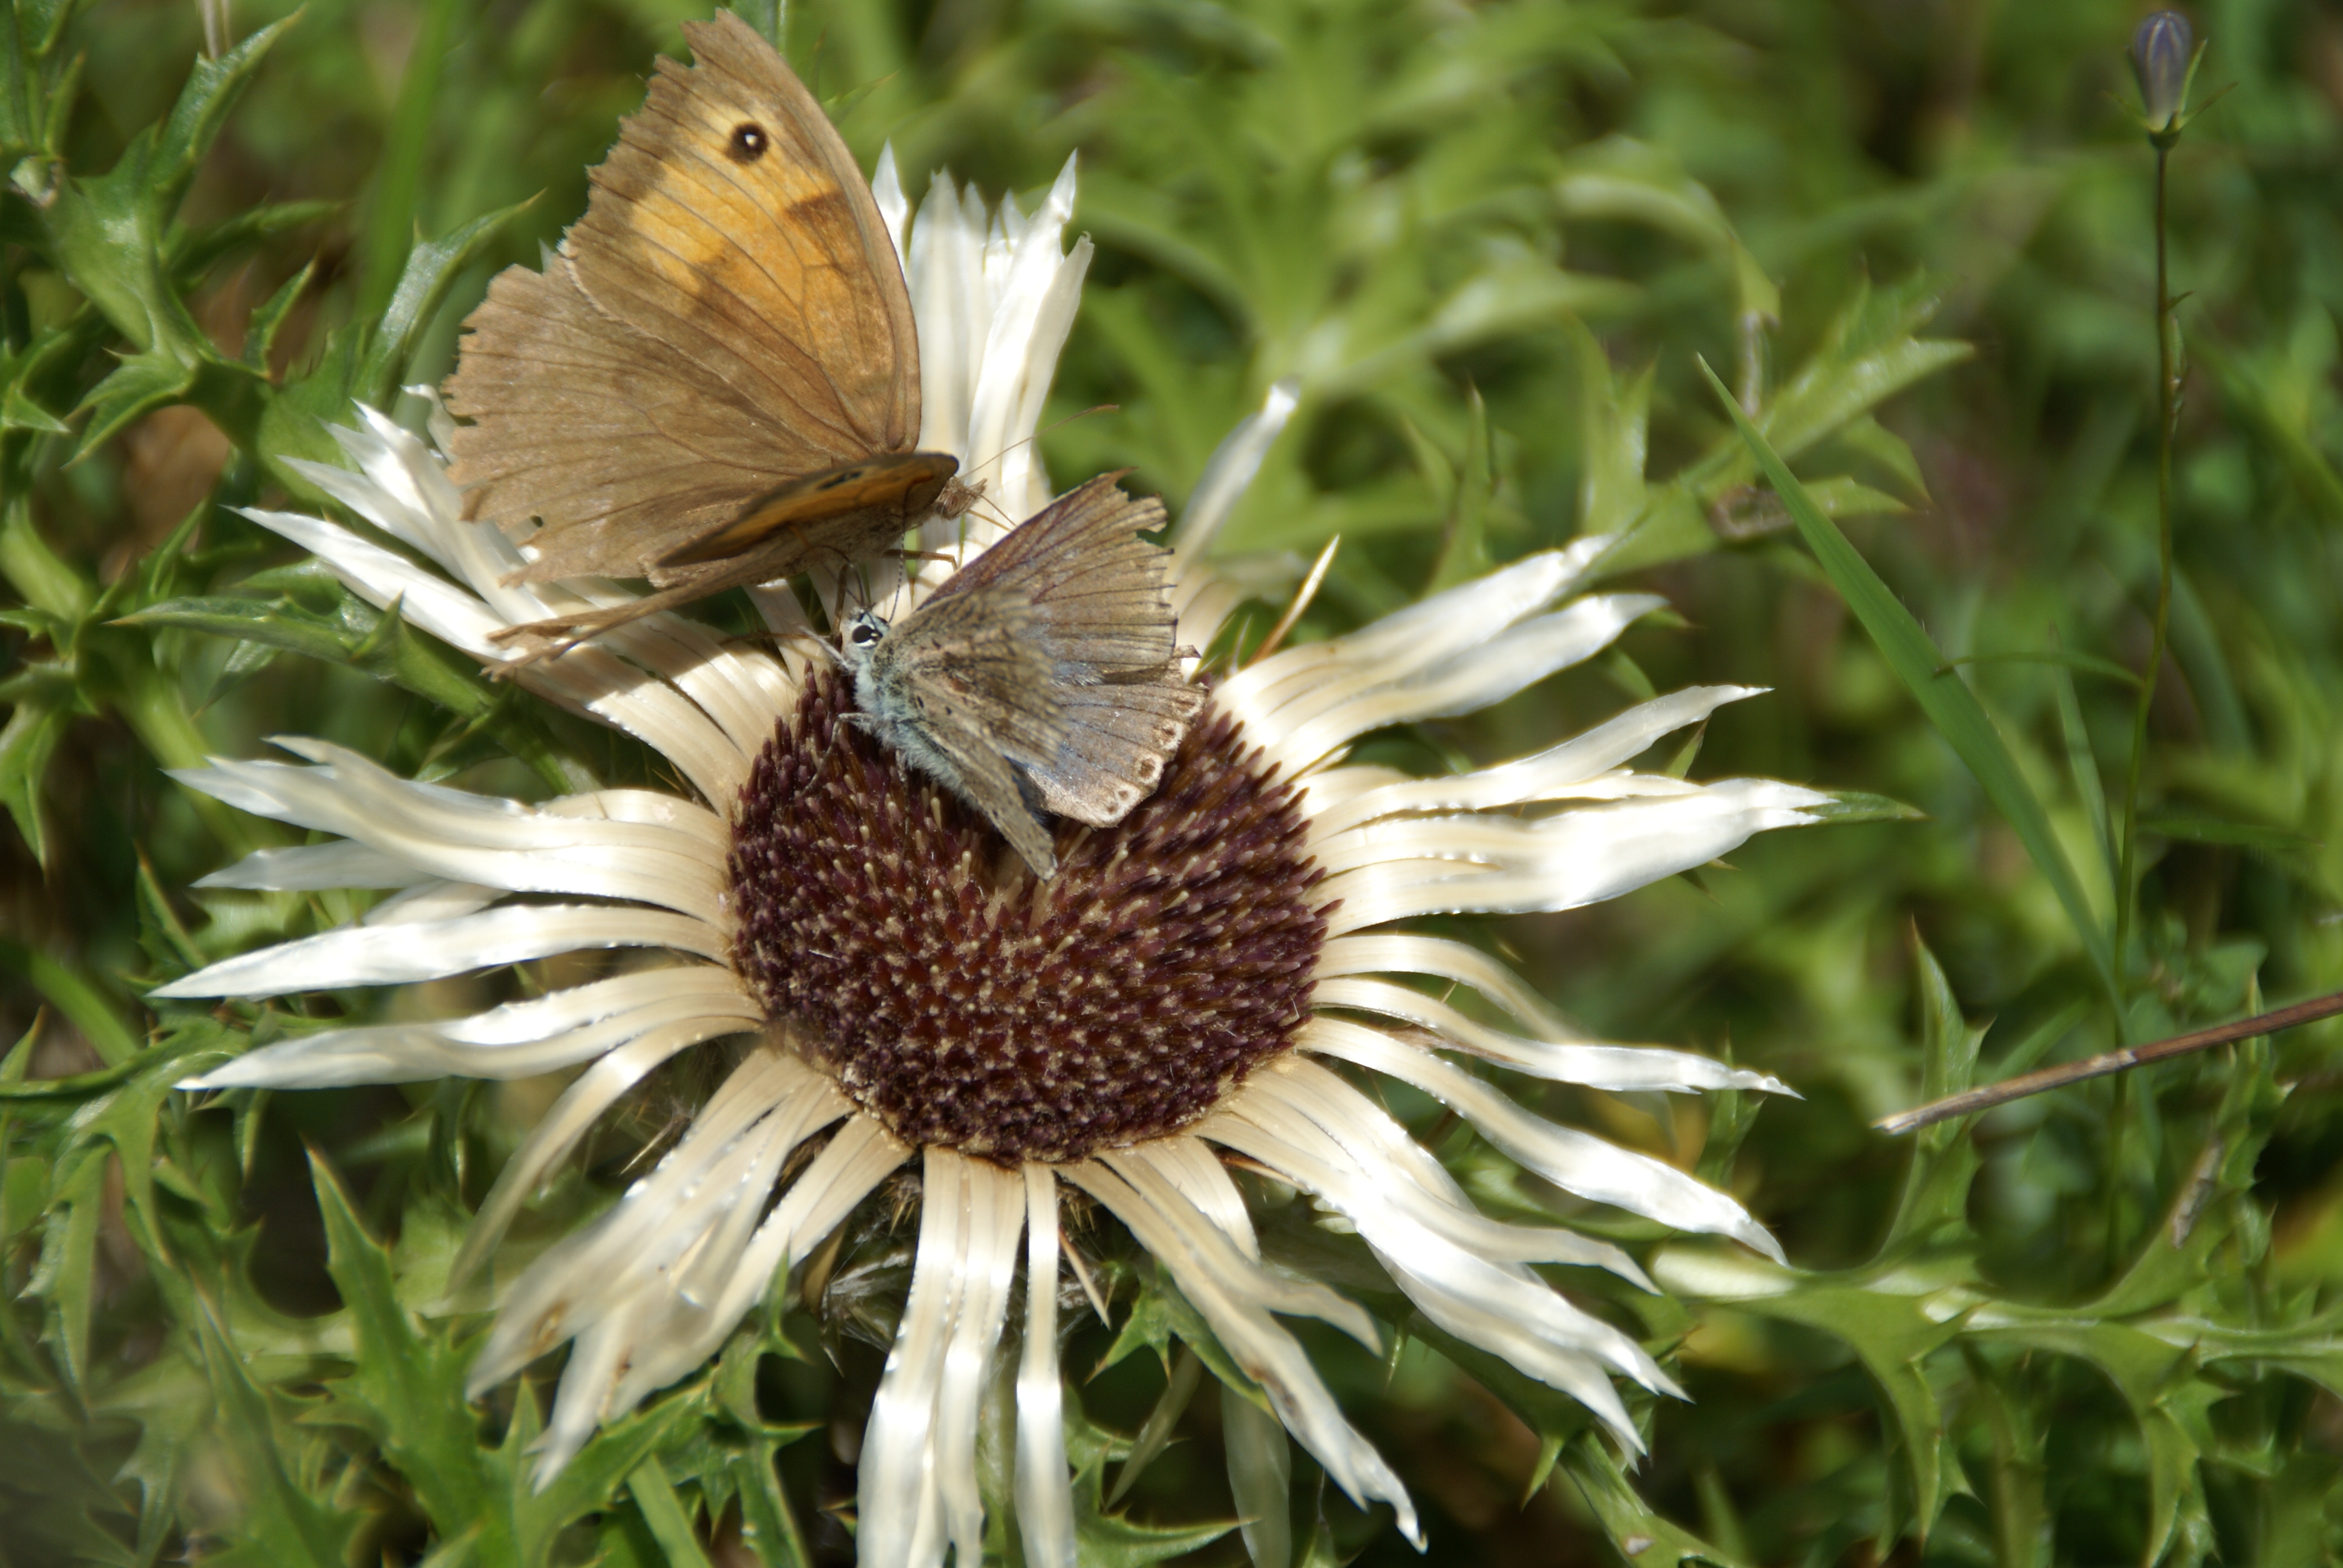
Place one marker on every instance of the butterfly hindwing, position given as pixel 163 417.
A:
pixel 984 778
pixel 1115 744
pixel 1097 588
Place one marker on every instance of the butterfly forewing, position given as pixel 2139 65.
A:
pixel 981 775
pixel 726 329
pixel 972 665
pixel 573 420
pixel 731 223
pixel 1102 612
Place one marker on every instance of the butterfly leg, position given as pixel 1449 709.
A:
pixel 556 635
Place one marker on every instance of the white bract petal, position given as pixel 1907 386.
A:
pixel 1236 1298
pixel 720 1287
pixel 994 296
pixel 1575 1162
pixel 314 868
pixel 433 900
pixel 918 1487
pixel 1559 772
pixel 471 838
pixel 1344 706
pixel 1623 1068
pixel 1320 675
pixel 1404 952
pixel 1498 865
pixel 1045 1500
pixel 1327 1131
pixel 678 1006
pixel 427 949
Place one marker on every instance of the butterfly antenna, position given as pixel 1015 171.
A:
pixel 1301 597
pixel 1060 425
pixel 976 489
pixel 798 634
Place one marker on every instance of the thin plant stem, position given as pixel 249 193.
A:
pixel 1972 1100
pixel 2127 861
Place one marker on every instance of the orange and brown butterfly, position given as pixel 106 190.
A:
pixel 714 380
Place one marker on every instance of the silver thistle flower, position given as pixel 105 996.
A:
pixel 1201 979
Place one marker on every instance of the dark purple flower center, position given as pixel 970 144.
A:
pixel 965 1004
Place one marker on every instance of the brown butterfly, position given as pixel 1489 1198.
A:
pixel 715 381
pixel 1042 677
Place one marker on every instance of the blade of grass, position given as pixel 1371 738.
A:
pixel 390 225
pixel 1949 704
pixel 2084 766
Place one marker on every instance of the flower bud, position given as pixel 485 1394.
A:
pixel 2161 52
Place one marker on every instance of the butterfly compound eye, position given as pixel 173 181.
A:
pixel 749 143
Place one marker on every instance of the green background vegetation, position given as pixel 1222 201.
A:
pixel 1494 242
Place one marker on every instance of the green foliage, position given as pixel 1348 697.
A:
pixel 1496 246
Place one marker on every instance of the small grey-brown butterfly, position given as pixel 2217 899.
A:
pixel 1042 677
pixel 715 381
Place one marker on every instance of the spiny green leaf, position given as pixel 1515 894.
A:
pixel 2204 1212
pixel 768 1525
pixel 1868 356
pixel 593 1478
pixel 142 384
pixel 260 331
pixel 193 252
pixel 283 1523
pixel 663 1512
pixel 64 1277
pixel 1892 1337
pixel 1113 1540
pixel 1464 545
pixel 211 93
pixel 26 745
pixel 18 409
pixel 2016 1471
pixel 1614 434
pixel 78 998
pixel 430 270
pixel 378 642
pixel 410 1385
pixel 1935 1201
pixel 1638 1533
pixel 2170 1403
pixel 1260 1477
pixel 1155 1434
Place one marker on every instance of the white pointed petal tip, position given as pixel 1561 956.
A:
pixel 222 1077
pixel 1059 205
